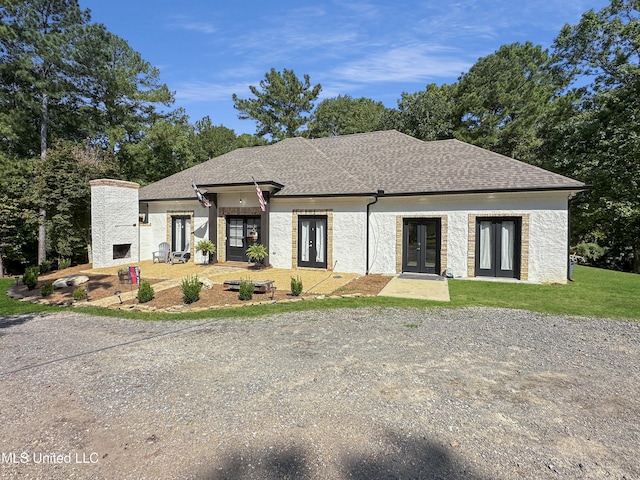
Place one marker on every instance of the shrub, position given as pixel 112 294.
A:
pixel 79 294
pixel 45 266
pixel 64 263
pixel 191 287
pixel 145 292
pixel 589 252
pixel 296 286
pixel 246 290
pixel 30 277
pixel 46 289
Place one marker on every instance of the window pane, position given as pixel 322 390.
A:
pixel 320 241
pixel 412 244
pixel 236 232
pixel 304 240
pixel 485 245
pixel 507 245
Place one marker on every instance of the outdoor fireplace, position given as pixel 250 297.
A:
pixel 122 250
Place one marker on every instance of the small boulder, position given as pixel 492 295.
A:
pixel 60 283
pixel 75 280
pixel 206 283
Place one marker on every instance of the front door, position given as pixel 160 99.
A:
pixel 242 232
pixel 312 241
pixel 421 245
pixel 498 247
pixel 180 233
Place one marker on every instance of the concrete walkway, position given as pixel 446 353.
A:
pixel 418 286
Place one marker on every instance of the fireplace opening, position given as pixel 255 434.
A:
pixel 122 251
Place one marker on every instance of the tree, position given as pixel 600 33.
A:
pixel 66 193
pixel 209 141
pixel 427 115
pixel 344 115
pixel 279 105
pixel 600 145
pixel 500 102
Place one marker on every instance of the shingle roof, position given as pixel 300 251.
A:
pixel 363 164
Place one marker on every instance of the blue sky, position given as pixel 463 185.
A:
pixel 207 50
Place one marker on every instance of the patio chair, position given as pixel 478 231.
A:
pixel 182 257
pixel 162 255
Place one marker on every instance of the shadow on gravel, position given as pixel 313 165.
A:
pixel 398 459
pixel 8 322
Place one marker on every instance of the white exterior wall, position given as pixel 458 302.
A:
pixel 548 228
pixel 547 211
pixel 114 221
pixel 349 231
pixel 157 229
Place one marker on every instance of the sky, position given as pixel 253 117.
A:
pixel 208 50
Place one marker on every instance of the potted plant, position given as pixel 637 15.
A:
pixel 257 253
pixel 123 275
pixel 207 248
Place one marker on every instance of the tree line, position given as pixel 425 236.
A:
pixel 78 103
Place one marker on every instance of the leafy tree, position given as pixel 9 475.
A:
pixel 427 115
pixel 501 100
pixel 280 104
pixel 600 144
pixel 65 175
pixel 345 115
pixel 163 150
pixel 208 141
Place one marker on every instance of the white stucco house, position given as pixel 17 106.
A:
pixel 380 202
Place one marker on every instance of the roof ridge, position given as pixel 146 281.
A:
pixel 343 169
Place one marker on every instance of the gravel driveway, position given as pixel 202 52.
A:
pixel 473 393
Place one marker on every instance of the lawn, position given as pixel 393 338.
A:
pixel 594 293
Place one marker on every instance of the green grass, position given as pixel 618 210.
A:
pixel 594 293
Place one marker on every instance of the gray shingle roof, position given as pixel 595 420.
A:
pixel 362 164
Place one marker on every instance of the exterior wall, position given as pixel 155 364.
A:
pixel 114 221
pixel 544 230
pixel 346 231
pixel 158 226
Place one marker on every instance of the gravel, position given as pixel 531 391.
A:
pixel 473 393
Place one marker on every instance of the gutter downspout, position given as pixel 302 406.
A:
pixel 376 196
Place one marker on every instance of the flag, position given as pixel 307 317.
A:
pixel 134 275
pixel 201 198
pixel 263 204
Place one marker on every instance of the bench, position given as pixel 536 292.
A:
pixel 259 286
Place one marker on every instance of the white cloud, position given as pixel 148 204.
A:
pixel 193 25
pixel 409 63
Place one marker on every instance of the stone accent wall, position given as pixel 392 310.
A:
pixel 294 234
pixel 444 229
pixel 114 221
pixel 524 244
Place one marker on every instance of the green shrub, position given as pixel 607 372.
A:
pixel 45 266
pixel 191 287
pixel 296 286
pixel 30 277
pixel 246 290
pixel 46 289
pixel 145 292
pixel 64 263
pixel 79 294
pixel 589 252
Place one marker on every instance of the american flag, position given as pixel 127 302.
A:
pixel 263 204
pixel 200 194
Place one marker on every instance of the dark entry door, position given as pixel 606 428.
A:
pixel 312 241
pixel 421 245
pixel 498 247
pixel 242 232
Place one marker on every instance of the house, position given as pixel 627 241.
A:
pixel 380 202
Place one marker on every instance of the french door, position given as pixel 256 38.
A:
pixel 421 245
pixel 498 247
pixel 312 241
pixel 242 232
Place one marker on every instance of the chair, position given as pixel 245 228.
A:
pixel 162 255
pixel 182 257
